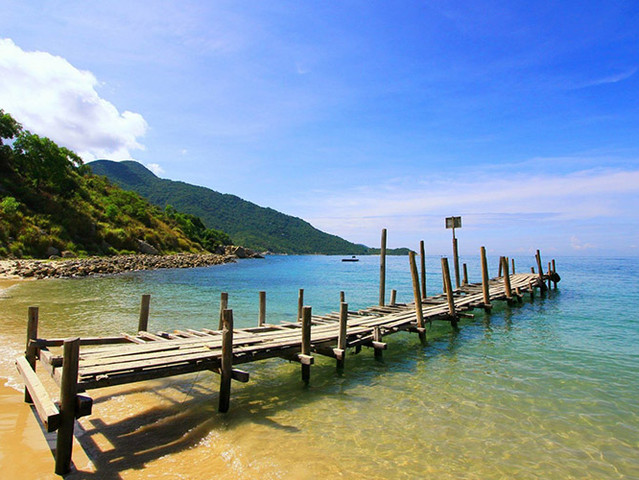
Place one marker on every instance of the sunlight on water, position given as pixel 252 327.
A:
pixel 544 390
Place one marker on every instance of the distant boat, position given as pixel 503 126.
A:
pixel 352 259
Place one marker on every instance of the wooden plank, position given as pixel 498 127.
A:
pixel 46 409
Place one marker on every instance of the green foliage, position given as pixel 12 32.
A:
pixel 194 228
pixel 49 199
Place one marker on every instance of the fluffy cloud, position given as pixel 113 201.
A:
pixel 51 97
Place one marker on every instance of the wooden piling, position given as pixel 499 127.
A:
pixel 554 272
pixel 68 401
pixel 507 289
pixel 540 269
pixel 418 298
pixel 484 279
pixel 377 337
pixel 512 262
pixel 224 304
pixel 465 270
pixel 342 297
pixel 300 304
pixel 341 339
pixel 456 262
pixel 382 270
pixel 262 314
pixel 31 350
pixel 143 322
pixel 226 362
pixel 393 299
pixel 422 255
pixel 549 275
pixel 501 266
pixel 449 292
pixel 306 343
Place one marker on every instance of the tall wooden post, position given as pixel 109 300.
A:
pixel 419 314
pixel 224 304
pixel 382 270
pixel 422 255
pixel 501 266
pixel 300 304
pixel 449 292
pixel 540 269
pixel 31 351
pixel 143 322
pixel 226 362
pixel 306 343
pixel 485 279
pixel 262 314
pixel 341 339
pixel 68 401
pixel 554 271
pixel 507 289
pixel 456 260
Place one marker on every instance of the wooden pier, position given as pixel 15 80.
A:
pixel 96 362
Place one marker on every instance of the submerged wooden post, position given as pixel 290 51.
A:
pixel 31 351
pixel 377 337
pixel 465 279
pixel 224 304
pixel 226 362
pixel 449 292
pixel 143 323
pixel 341 339
pixel 300 304
pixel 484 279
pixel 68 401
pixel 306 343
pixel 382 270
pixel 393 299
pixel 422 255
pixel 507 289
pixel 262 315
pixel 418 298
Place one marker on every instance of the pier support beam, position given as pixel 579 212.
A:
pixel 484 280
pixel 306 343
pixel 377 344
pixel 382 270
pixel 449 292
pixel 262 314
pixel 143 322
pixel 393 299
pixel 68 402
pixel 422 258
pixel 341 338
pixel 226 362
pixel 300 304
pixel 418 298
pixel 540 270
pixel 507 288
pixel 224 304
pixel 31 351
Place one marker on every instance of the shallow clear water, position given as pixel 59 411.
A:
pixel 549 389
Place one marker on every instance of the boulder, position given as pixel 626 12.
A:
pixel 147 248
pixel 52 251
pixel 68 254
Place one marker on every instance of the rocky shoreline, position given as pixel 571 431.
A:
pixel 82 267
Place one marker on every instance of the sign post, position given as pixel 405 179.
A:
pixel 455 222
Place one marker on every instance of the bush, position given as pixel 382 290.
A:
pixel 9 206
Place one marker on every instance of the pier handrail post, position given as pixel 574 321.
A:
pixel 143 322
pixel 507 288
pixel 485 279
pixel 417 296
pixel 262 314
pixel 300 304
pixel 306 342
pixel 422 255
pixel 226 362
pixel 31 350
pixel 224 304
pixel 449 291
pixel 68 401
pixel 382 269
pixel 341 339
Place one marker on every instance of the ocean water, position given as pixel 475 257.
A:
pixel 548 389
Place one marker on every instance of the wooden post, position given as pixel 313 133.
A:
pixel 554 271
pixel 393 299
pixel 484 279
pixel 262 315
pixel 418 298
pixel 382 270
pixel 549 275
pixel 68 401
pixel 342 297
pixel 341 339
pixel 532 290
pixel 224 304
pixel 300 304
pixel 306 343
pixel 465 270
pixel 226 362
pixel 456 260
pixel 143 323
pixel 540 269
pixel 31 351
pixel 532 270
pixel 512 262
pixel 422 255
pixel 377 337
pixel 449 291
pixel 501 266
pixel 507 289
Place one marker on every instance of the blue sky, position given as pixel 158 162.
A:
pixel 520 116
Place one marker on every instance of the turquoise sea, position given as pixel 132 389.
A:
pixel 548 389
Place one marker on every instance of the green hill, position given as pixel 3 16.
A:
pixel 248 224
pixel 50 202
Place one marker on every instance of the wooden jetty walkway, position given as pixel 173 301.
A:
pixel 122 359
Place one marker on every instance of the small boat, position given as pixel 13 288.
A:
pixel 352 259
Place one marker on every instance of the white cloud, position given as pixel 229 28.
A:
pixel 51 97
pixel 155 168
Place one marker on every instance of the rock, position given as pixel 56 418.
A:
pixel 68 254
pixel 54 257
pixel 51 251
pixel 147 248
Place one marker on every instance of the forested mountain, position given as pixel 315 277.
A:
pixel 50 202
pixel 248 224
